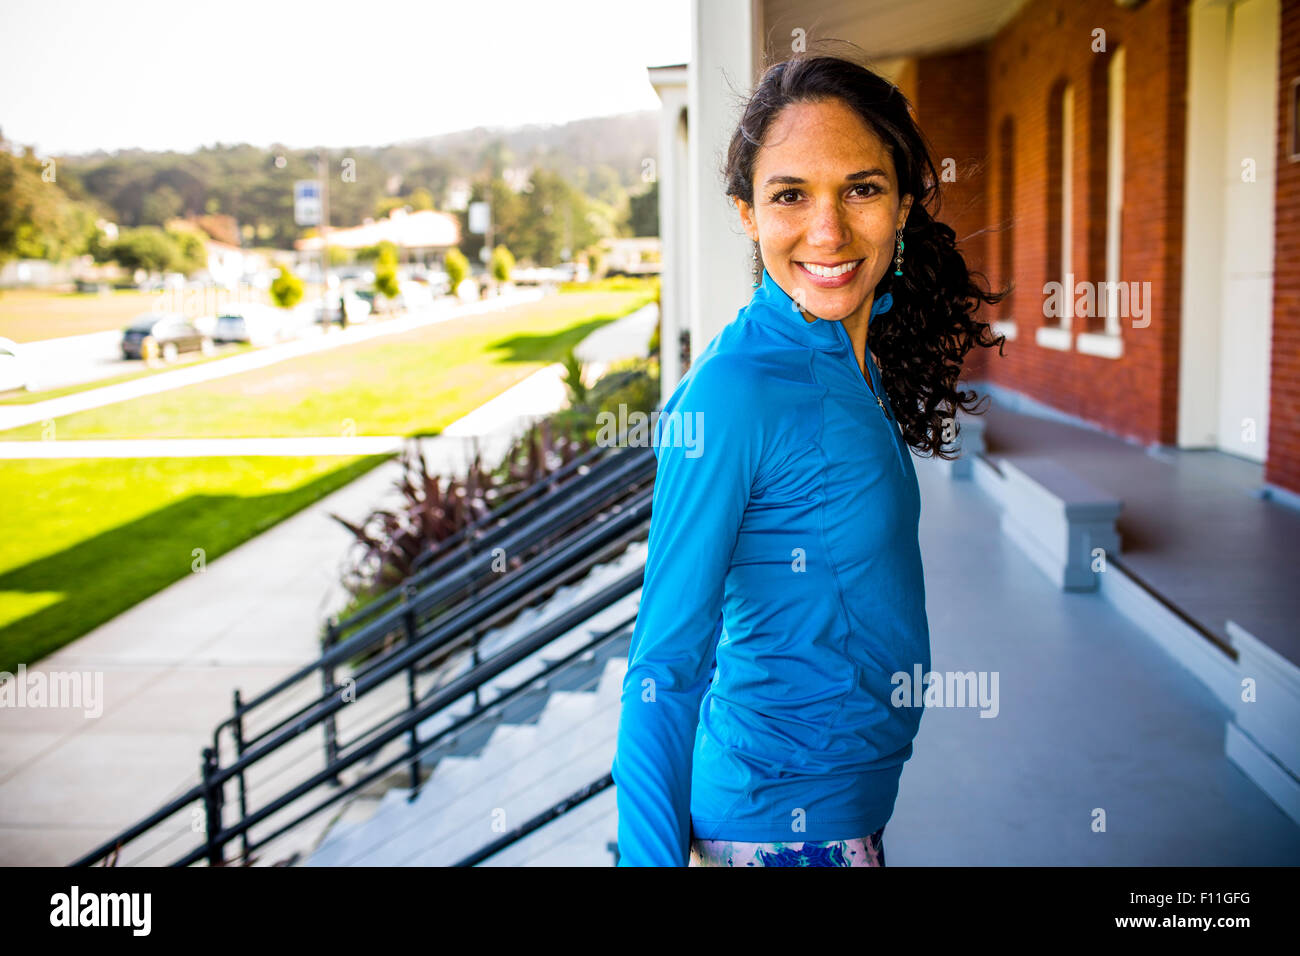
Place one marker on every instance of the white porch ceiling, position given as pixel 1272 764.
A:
pixel 889 29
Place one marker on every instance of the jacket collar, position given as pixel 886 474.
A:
pixel 772 305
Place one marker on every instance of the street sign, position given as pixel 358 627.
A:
pixel 478 217
pixel 307 202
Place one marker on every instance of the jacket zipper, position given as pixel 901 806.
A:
pixel 877 390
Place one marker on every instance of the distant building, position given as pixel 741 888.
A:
pixel 418 235
pixel 638 256
pixel 227 263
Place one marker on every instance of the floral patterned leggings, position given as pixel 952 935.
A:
pixel 862 851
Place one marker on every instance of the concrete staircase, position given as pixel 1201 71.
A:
pixel 515 761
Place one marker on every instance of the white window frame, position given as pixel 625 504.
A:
pixel 1059 336
pixel 1109 344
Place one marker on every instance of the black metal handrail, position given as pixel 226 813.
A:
pixel 631 521
pixel 438 702
pixel 449 548
pixel 633 470
pixel 591 459
pixel 453 591
pixel 558 809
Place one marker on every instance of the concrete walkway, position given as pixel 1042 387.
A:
pixel 168 666
pixel 1092 715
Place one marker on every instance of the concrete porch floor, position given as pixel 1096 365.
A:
pixel 1094 714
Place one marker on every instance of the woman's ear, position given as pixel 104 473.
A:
pixel 904 209
pixel 747 218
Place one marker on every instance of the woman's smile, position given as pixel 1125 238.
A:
pixel 828 276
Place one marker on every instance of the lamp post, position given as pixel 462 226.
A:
pixel 322 173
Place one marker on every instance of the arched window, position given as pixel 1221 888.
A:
pixel 1103 335
pixel 1059 293
pixel 1006 220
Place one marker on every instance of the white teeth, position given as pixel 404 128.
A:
pixel 830 273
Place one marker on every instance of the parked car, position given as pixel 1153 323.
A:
pixel 357 306
pixel 165 335
pixel 439 282
pixel 378 304
pixel 16 371
pixel 354 274
pixel 573 271
pixel 250 322
pixel 169 280
pixel 415 295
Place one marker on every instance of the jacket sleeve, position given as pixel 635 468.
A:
pixel 700 495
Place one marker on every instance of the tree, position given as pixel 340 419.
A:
pixel 161 205
pixel 286 290
pixel 378 251
pixel 386 272
pixel 419 199
pixel 457 267
pixel 643 212
pixel 554 217
pixel 37 218
pixel 502 264
pixel 148 248
pixel 192 252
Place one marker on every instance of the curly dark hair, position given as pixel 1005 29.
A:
pixel 933 326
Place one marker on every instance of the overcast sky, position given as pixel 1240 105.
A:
pixel 169 74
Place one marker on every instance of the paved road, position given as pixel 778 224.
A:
pixel 16 416
pixel 74 359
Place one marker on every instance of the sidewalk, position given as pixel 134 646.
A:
pixel 169 665
pixel 15 416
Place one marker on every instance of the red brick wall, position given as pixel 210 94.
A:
pixel 952 107
pixel 1050 40
pixel 1283 465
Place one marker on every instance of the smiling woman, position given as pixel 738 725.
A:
pixel 783 585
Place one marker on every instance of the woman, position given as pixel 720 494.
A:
pixel 784 538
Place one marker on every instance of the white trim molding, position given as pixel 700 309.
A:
pixel 1101 344
pixel 1053 337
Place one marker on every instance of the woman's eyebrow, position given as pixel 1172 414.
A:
pixel 851 177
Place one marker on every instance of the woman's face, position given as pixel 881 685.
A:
pixel 825 195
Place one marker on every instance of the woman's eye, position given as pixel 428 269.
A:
pixel 862 190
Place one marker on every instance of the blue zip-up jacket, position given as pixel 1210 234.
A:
pixel 783 544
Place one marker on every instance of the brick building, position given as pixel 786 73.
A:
pixel 1145 149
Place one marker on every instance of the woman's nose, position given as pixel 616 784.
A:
pixel 829 226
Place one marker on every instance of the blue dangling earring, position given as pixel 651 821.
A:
pixel 898 257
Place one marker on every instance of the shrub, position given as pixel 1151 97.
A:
pixel 457 268
pixel 503 263
pixel 286 289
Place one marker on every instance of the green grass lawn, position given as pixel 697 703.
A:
pixel 414 382
pixel 88 539
pixel 85 539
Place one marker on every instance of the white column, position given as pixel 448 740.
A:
pixel 672 174
pixel 724 61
